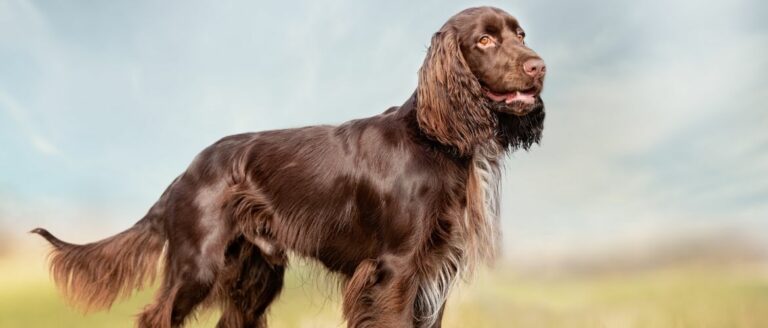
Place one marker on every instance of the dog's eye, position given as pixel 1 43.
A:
pixel 485 41
pixel 521 34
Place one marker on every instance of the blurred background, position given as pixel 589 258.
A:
pixel 646 204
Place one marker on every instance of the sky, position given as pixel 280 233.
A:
pixel 657 111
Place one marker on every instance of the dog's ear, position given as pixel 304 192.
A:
pixel 451 106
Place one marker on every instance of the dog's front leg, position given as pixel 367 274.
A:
pixel 439 320
pixel 381 293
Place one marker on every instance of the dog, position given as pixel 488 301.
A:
pixel 400 205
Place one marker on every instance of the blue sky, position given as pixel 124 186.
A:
pixel 657 111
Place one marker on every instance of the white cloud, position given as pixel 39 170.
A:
pixel 26 125
pixel 655 118
pixel 670 135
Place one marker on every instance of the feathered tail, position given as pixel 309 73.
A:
pixel 92 276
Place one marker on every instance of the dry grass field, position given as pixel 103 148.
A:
pixel 678 295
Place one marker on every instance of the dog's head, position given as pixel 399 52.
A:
pixel 480 80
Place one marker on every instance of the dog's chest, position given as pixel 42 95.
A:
pixel 480 224
pixel 487 170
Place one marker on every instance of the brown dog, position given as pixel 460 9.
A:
pixel 400 205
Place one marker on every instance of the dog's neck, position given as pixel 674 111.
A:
pixel 513 132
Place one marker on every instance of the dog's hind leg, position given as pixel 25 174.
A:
pixel 250 281
pixel 197 243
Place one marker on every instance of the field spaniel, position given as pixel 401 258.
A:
pixel 400 205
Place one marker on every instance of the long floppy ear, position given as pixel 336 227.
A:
pixel 451 106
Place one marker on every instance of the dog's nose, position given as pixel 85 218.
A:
pixel 534 67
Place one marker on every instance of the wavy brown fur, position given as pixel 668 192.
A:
pixel 94 275
pixel 450 99
pixel 247 285
pixel 355 296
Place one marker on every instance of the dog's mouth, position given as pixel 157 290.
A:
pixel 518 102
pixel 527 96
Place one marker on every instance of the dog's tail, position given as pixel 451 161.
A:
pixel 92 276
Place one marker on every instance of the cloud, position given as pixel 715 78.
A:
pixel 646 132
pixel 656 118
pixel 26 125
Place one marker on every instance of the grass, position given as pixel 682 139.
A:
pixel 679 296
